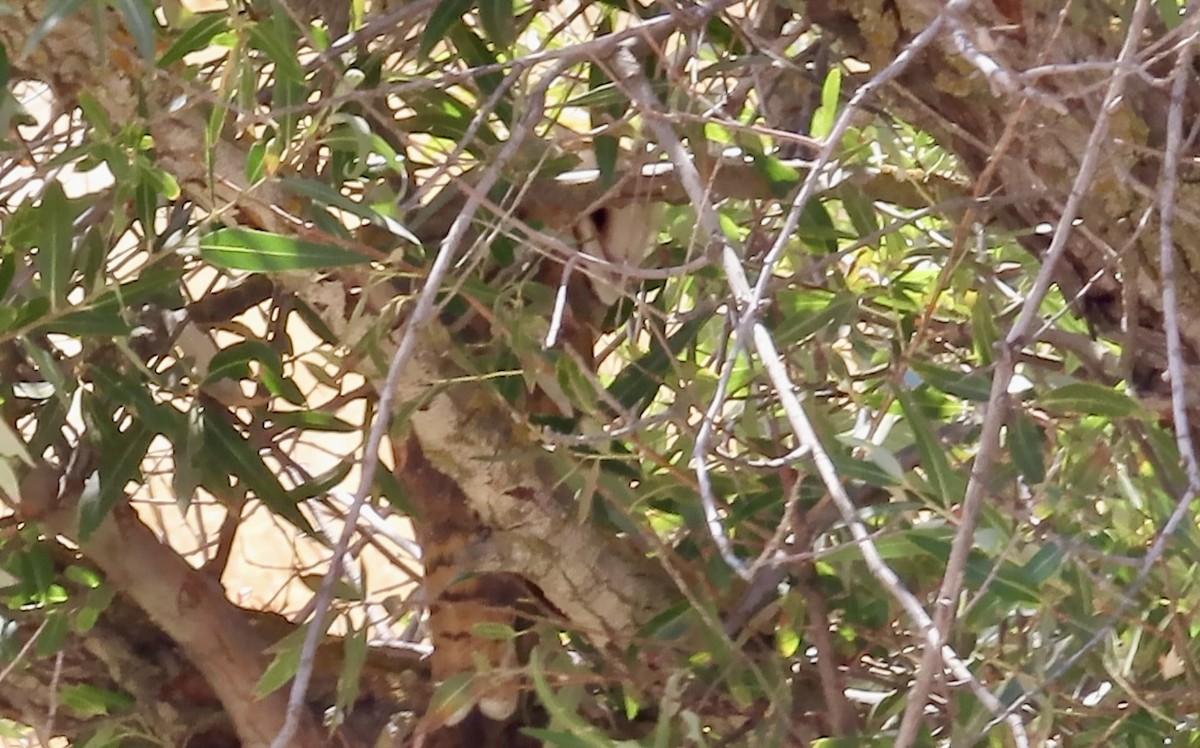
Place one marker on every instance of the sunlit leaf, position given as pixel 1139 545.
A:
pixel 91 701
pixel 261 251
pixel 280 672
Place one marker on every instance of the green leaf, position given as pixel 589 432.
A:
pixel 276 36
pixel 860 209
pixel 1008 583
pixel 289 97
pixel 32 311
pixel 109 735
pixel 96 601
pixel 441 114
pixel 280 672
pixel 811 311
pixel 323 193
pixel 579 733
pixel 189 448
pixel 498 21
pixel 12 445
pixel 55 631
pixel 343 589
pixel 8 268
pixel 816 229
pixel 823 118
pixel 446 14
pixel 780 177
pixel 312 420
pixel 638 382
pixel 903 544
pixel 1170 12
pixel 240 458
pixel 90 322
pixel 947 484
pixel 452 696
pixel 1026 444
pixel 984 332
pixel 867 471
pixel 5 67
pixel 255 159
pixel 474 52
pixel 606 149
pixel 730 227
pixel 606 97
pixel 974 386
pixel 56 216
pixel 92 701
pixel 194 38
pixel 323 483
pixel 56 12
pixel 157 286
pixel 1085 398
pixel 234 362
pixel 262 251
pixel 121 460
pixel 1044 564
pixel 131 392
pixel 140 22
pixel 35 569
pixel 354 656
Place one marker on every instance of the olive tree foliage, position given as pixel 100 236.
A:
pixel 881 437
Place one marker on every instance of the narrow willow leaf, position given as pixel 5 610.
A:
pixel 447 13
pixel 121 462
pixel 196 37
pixel 262 251
pixel 140 23
pixel 1085 398
pixel 946 484
pixel 974 386
pixel 237 456
pixel 54 243
pixel 823 118
pixel 1026 444
pixel 498 21
pixel 638 382
pixel 279 673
